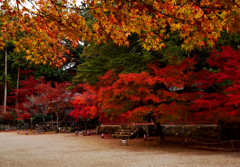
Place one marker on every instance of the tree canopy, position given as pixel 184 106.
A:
pixel 121 37
pixel 199 23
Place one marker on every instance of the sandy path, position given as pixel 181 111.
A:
pixel 67 150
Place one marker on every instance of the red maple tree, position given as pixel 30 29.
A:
pixel 60 99
pixel 27 88
pixel 134 96
pixel 86 105
pixel 89 103
pixel 219 95
pixel 38 102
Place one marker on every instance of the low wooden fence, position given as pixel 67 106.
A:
pixel 190 119
pixel 210 144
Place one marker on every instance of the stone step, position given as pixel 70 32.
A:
pixel 125 130
pixel 121 136
pixel 127 126
pixel 123 133
pixel 128 130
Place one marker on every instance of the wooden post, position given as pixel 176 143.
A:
pixel 185 142
pixel 5 84
pixel 16 99
pixel 233 148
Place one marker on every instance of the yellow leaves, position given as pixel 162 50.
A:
pixel 28 57
pixel 34 43
pixel 210 43
pixel 183 35
pixel 127 34
pixel 198 15
pixel 188 12
pixel 176 27
pixel 187 47
pixel 126 19
pixel 17 50
pixel 138 29
pixel 105 9
pixel 152 43
pixel 2 45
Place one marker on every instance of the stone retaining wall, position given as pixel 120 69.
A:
pixel 108 128
pixel 192 131
pixel 11 127
pixel 3 127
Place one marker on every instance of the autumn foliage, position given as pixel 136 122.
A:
pixel 27 89
pixel 86 105
pixel 134 95
pixel 39 31
pixel 24 116
pixel 89 103
pixel 43 24
pixel 169 93
pixel 35 96
pixel 219 95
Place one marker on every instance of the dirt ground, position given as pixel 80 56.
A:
pixel 50 150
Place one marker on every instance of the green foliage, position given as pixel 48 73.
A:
pixel 226 82
pixel 228 39
pixel 66 72
pixel 38 119
pixel 211 70
pixel 51 74
pixel 20 123
pixel 98 59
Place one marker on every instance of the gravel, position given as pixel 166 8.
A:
pixel 49 150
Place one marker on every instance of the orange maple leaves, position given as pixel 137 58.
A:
pixel 199 23
pixel 133 94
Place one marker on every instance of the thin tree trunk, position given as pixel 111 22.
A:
pixel 57 122
pixel 52 119
pixel 99 126
pixel 5 84
pixel 219 124
pixel 16 99
pixel 85 124
pixel 45 128
pixel 159 128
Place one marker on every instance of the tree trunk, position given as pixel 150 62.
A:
pixel 44 127
pixel 159 128
pixel 161 132
pixel 57 122
pixel 219 124
pixel 16 99
pixel 85 124
pixel 52 119
pixel 99 126
pixel 5 84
